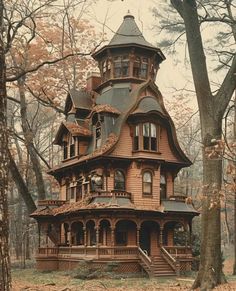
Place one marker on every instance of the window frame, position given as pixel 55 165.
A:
pixel 147 194
pixel 163 197
pixel 139 139
pixel 98 127
pixel 124 182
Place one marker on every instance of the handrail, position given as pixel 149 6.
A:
pixel 171 260
pixel 145 260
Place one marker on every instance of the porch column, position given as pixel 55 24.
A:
pixel 138 236
pixel 97 241
pixel 112 241
pixel 39 235
pixel 70 235
pixel 85 236
pixel 161 235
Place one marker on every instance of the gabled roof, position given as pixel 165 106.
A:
pixel 72 127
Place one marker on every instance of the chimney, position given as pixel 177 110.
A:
pixel 93 81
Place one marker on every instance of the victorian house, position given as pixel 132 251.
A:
pixel 120 159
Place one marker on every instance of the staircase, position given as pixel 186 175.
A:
pixel 160 267
pixel 156 266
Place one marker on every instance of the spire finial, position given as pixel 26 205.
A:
pixel 128 15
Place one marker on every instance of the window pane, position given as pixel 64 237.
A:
pixel 146 141
pixel 153 130
pixel 119 180
pixel 146 127
pixel 136 132
pixel 136 143
pixel 147 177
pixel 147 188
pixel 153 143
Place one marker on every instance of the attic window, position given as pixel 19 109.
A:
pixel 98 135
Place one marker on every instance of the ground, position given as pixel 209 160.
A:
pixel 30 279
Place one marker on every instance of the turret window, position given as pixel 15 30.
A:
pixel 147 183
pixel 119 180
pixel 106 69
pixel 121 66
pixel 144 68
pixel 136 67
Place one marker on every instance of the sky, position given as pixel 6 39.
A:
pixel 111 13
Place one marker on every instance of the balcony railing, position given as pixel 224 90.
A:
pixel 179 251
pixel 112 193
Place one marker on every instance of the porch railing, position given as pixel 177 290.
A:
pixel 90 251
pixel 179 251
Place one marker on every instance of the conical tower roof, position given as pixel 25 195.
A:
pixel 129 33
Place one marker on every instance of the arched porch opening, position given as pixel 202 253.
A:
pixel 149 238
pixel 175 234
pixel 105 232
pixel 65 234
pixel 77 233
pixel 91 233
pixel 126 233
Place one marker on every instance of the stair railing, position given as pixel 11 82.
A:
pixel 145 260
pixel 174 263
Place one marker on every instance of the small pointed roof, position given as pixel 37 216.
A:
pixel 128 33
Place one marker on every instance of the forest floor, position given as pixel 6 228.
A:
pixel 30 279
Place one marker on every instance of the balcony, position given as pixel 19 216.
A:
pixel 112 193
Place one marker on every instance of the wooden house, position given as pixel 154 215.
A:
pixel 120 159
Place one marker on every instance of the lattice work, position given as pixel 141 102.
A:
pixel 185 267
pixel 128 268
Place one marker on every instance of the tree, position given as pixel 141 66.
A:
pixel 5 277
pixel 211 109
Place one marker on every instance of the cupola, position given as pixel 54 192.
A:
pixel 128 56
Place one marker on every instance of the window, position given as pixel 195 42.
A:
pixel 65 150
pixel 121 66
pixel 147 183
pixel 119 180
pixel 98 135
pixel 136 138
pixel 79 191
pixel 136 68
pixel 96 182
pixel 163 186
pixel 144 68
pixel 149 136
pixel 72 146
pixel 106 69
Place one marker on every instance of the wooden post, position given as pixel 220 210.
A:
pixel 161 235
pixel 138 235
pixel 97 241
pixel 85 239
pixel 112 241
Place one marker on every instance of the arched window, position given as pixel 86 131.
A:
pixel 98 135
pixel 149 136
pixel 147 183
pixel 163 186
pixel 119 180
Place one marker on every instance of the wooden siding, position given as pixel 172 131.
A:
pixel 124 147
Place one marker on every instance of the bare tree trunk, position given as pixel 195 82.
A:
pixel 5 275
pixel 28 135
pixel 234 181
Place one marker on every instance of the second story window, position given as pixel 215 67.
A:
pixel 98 135
pixel 136 138
pixel 119 180
pixel 163 186
pixel 65 150
pixel 147 183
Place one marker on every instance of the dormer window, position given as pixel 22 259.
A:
pixel 98 135
pixel 149 136
pixel 72 146
pixel 65 150
pixel 145 137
